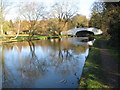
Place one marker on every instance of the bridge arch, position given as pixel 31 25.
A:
pixel 84 33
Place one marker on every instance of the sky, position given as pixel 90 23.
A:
pixel 83 6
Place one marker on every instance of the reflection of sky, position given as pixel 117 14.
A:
pixel 0 69
pixel 42 52
pixel 49 68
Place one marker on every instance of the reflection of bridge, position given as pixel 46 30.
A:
pixel 78 41
pixel 75 31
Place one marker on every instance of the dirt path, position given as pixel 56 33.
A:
pixel 110 67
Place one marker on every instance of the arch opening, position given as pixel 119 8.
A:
pixel 84 33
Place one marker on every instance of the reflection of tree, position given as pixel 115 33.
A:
pixel 32 50
pixel 8 76
pixel 5 78
pixel 61 58
pixel 3 66
pixel 64 58
pixel 79 49
pixel 0 67
pixel 64 54
pixel 63 61
pixel 32 67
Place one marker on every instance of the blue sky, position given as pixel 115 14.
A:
pixel 83 6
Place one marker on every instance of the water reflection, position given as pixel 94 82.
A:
pixel 50 63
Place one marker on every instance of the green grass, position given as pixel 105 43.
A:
pixel 0 38
pixel 26 37
pixel 92 76
pixel 99 37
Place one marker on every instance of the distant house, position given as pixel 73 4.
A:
pixel 25 31
pixel 10 33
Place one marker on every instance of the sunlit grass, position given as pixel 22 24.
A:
pixel 26 37
pixel 0 38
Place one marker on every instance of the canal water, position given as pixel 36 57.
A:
pixel 53 63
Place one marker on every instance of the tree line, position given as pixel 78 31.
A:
pixel 34 19
pixel 106 16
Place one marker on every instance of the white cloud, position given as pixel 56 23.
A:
pixel 84 7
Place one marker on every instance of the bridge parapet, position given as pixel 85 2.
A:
pixel 75 30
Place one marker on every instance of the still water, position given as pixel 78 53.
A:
pixel 54 63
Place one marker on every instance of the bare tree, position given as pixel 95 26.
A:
pixel 63 11
pixel 19 21
pixel 2 18
pixel 33 12
pixel 4 7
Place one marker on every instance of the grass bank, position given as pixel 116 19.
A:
pixel 92 76
pixel 11 38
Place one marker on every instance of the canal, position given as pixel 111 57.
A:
pixel 52 63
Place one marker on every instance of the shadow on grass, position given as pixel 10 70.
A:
pixel 92 76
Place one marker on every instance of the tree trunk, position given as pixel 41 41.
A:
pixel 17 31
pixel 1 27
